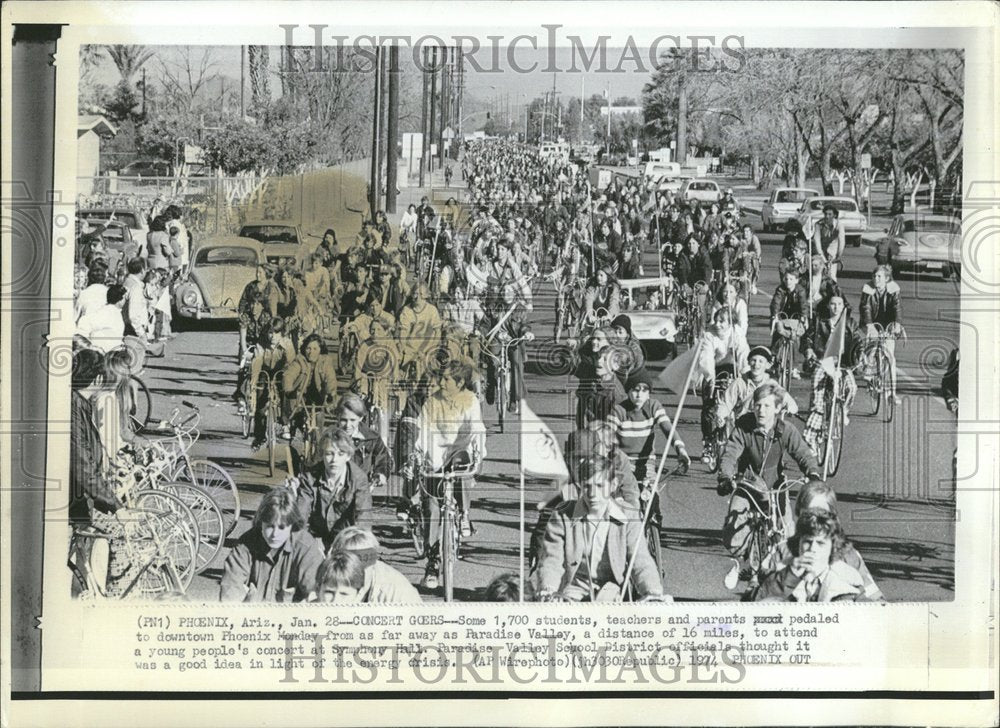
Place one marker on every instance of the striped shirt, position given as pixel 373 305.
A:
pixel 635 427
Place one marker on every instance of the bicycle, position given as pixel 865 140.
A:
pixel 832 433
pixel 141 406
pixel 159 539
pixel 179 467
pixel 881 385
pixel 315 417
pixel 767 525
pixel 501 373
pixel 784 355
pixel 267 388
pixel 693 313
pixel 450 537
pixel 715 444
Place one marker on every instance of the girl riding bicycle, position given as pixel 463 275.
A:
pixel 602 292
pixel 370 453
pixel 880 309
pixel 449 429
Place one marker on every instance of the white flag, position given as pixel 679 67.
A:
pixel 540 451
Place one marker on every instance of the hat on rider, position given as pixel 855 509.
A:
pixel 761 351
pixel 638 378
pixel 624 322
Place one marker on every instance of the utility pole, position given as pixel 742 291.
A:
pixel 608 140
pixel 424 133
pixel 243 82
pixel 445 102
pixel 682 107
pixel 374 186
pixel 430 118
pixel 393 133
pixel 460 70
pixel 383 123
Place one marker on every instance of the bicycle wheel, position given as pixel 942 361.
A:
pixel 886 393
pixel 448 551
pixel 874 386
pixel 416 526
pixel 167 533
pixel 501 398
pixel 211 525
pixel 835 439
pixel 271 433
pixel 784 363
pixel 214 480
pixel 142 403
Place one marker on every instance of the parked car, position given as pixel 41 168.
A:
pixel 145 168
pixel 924 243
pixel 221 267
pixel 811 211
pixel 283 240
pixel 134 219
pixel 698 188
pixel 782 206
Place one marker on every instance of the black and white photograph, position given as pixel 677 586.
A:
pixel 351 301
pixel 500 351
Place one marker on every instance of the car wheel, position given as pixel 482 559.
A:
pixel 856 241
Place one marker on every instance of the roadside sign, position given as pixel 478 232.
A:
pixel 866 161
pixel 193 154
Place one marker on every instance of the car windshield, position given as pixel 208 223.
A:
pixel 703 186
pixel 126 218
pixel 270 233
pixel 226 256
pixel 842 205
pixel 931 226
pixel 794 195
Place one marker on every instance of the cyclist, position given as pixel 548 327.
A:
pixel 828 239
pixel 450 432
pixel 419 330
pixel 815 340
pixel 817 572
pixel 502 324
pixel 820 496
pixel 271 356
pixel 789 313
pixel 590 542
pixel 729 300
pixel 756 450
pixel 600 390
pixel 277 559
pixel 820 285
pixel 258 305
pixel 309 380
pixel 693 264
pixel 738 397
pixel 880 306
pixel 635 421
pixel 750 245
pixel 333 493
pixel 370 453
pixel 602 293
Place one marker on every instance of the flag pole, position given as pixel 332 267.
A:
pixel 663 462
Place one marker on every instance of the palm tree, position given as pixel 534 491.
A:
pixel 128 59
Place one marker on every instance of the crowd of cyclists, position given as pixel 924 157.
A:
pixel 376 356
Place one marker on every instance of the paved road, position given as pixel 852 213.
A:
pixel 894 484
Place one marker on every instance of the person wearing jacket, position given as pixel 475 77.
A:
pixel 693 264
pixel 756 450
pixel 370 453
pixel 502 324
pixel 880 308
pixel 333 493
pixel 277 559
pixel 633 359
pixel 817 571
pixel 590 542
pixel 789 313
pixel 309 380
pixel 602 292
pixel 813 346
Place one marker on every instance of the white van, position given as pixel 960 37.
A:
pixel 658 171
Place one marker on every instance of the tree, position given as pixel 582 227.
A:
pixel 123 104
pixel 258 58
pixel 128 59
pixel 185 79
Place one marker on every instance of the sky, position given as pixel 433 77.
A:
pixel 498 78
